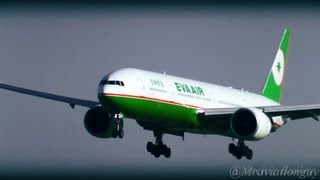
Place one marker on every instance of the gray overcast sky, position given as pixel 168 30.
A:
pixel 67 53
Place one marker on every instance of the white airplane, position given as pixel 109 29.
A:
pixel 168 104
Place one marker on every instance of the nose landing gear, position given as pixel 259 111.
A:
pixel 118 121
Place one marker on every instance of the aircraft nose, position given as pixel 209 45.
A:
pixel 102 85
pixel 101 89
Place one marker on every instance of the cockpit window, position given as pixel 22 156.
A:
pixel 119 83
pixel 103 82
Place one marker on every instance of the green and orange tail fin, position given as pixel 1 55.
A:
pixel 274 83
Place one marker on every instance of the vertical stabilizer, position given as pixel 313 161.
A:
pixel 274 83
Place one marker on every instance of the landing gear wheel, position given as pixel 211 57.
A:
pixel 240 150
pixel 150 147
pixel 167 153
pixel 114 133
pixel 238 156
pixel 157 153
pixel 158 148
pixel 231 148
pixel 120 134
pixel 249 154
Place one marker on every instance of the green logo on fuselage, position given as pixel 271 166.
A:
pixel 189 89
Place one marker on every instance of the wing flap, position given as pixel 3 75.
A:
pixel 71 101
pixel 293 112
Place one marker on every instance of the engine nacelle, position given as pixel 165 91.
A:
pixel 250 124
pixel 98 122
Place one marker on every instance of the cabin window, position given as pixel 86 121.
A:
pixel 104 82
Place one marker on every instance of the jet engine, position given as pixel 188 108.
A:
pixel 99 123
pixel 250 124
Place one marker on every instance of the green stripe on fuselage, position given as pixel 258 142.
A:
pixel 150 110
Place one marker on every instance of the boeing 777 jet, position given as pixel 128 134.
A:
pixel 173 105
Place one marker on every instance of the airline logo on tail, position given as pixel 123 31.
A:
pixel 273 86
pixel 278 67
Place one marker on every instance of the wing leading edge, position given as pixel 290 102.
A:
pixel 71 101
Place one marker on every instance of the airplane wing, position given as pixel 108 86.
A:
pixel 293 112
pixel 71 101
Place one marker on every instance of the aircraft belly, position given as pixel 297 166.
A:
pixel 164 115
pixel 151 110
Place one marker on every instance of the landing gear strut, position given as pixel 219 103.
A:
pixel 118 121
pixel 158 148
pixel 240 150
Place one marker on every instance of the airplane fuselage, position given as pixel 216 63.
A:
pixel 171 101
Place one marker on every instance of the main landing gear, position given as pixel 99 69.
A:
pixel 118 131
pixel 158 148
pixel 240 150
